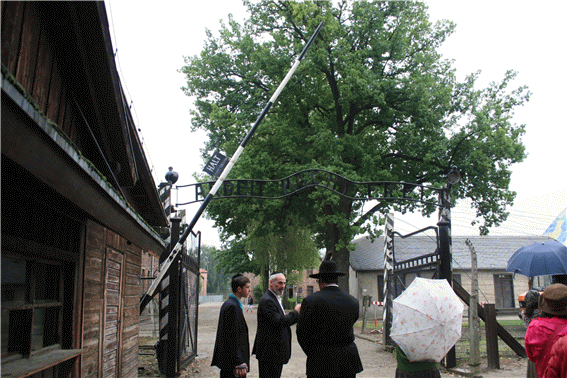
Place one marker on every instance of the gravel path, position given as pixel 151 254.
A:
pixel 377 362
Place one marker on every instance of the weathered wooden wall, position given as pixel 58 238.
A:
pixel 27 53
pixel 111 302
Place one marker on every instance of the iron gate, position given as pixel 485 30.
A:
pixel 396 273
pixel 426 265
pixel 179 306
pixel 189 304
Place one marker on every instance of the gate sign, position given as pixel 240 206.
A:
pixel 216 165
pixel 310 178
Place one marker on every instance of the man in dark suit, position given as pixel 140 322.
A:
pixel 272 345
pixel 325 327
pixel 232 348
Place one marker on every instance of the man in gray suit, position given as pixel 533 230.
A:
pixel 272 345
pixel 325 327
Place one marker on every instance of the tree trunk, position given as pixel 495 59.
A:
pixel 336 235
pixel 265 278
pixel 341 257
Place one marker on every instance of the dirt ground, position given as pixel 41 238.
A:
pixel 377 362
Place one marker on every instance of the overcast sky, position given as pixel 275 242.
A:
pixel 492 36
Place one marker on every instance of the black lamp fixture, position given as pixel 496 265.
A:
pixel 171 176
pixel 454 176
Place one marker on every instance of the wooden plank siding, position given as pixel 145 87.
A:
pixel 47 59
pixel 12 18
pixel 111 304
pixel 28 55
pixel 131 312
pixel 93 299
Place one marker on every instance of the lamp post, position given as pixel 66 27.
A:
pixel 171 177
pixel 445 242
pixel 170 289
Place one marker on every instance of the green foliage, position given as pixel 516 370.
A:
pixel 218 279
pixel 291 302
pixel 372 101
pixel 258 291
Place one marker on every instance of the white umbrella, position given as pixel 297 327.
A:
pixel 427 319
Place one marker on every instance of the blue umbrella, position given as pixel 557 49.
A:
pixel 539 259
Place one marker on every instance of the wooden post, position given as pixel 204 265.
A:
pixel 365 304
pixel 492 354
pixel 388 281
pixel 474 321
pixel 445 254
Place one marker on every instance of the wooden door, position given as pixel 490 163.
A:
pixel 503 291
pixel 114 273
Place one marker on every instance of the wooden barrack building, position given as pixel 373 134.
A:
pixel 79 204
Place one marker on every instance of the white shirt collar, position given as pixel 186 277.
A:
pixel 277 296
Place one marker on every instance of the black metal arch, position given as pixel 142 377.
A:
pixel 316 178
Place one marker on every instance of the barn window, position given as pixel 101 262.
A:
pixel 41 240
pixel 32 304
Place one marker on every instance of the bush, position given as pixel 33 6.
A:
pixel 257 292
pixel 291 303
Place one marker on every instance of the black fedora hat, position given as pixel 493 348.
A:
pixel 328 268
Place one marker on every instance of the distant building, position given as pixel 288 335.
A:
pixel 203 281
pixel 495 284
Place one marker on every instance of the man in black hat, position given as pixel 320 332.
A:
pixel 325 328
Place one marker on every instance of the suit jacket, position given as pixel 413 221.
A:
pixel 273 336
pixel 325 333
pixel 232 347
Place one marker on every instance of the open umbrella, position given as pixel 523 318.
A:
pixel 558 228
pixel 427 319
pixel 539 259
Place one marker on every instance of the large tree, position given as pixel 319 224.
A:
pixel 372 101
pixel 267 249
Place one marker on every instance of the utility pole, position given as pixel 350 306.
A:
pixel 445 243
pixel 474 320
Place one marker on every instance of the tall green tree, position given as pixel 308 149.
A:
pixel 372 101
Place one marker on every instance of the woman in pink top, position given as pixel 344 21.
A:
pixel 542 332
pixel 557 365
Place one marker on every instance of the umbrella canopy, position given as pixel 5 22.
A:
pixel 558 228
pixel 539 259
pixel 427 319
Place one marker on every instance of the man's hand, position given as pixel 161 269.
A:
pixel 241 370
pixel 297 308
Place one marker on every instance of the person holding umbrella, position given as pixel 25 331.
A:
pixel 409 369
pixel 528 314
pixel 426 324
pixel 543 331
